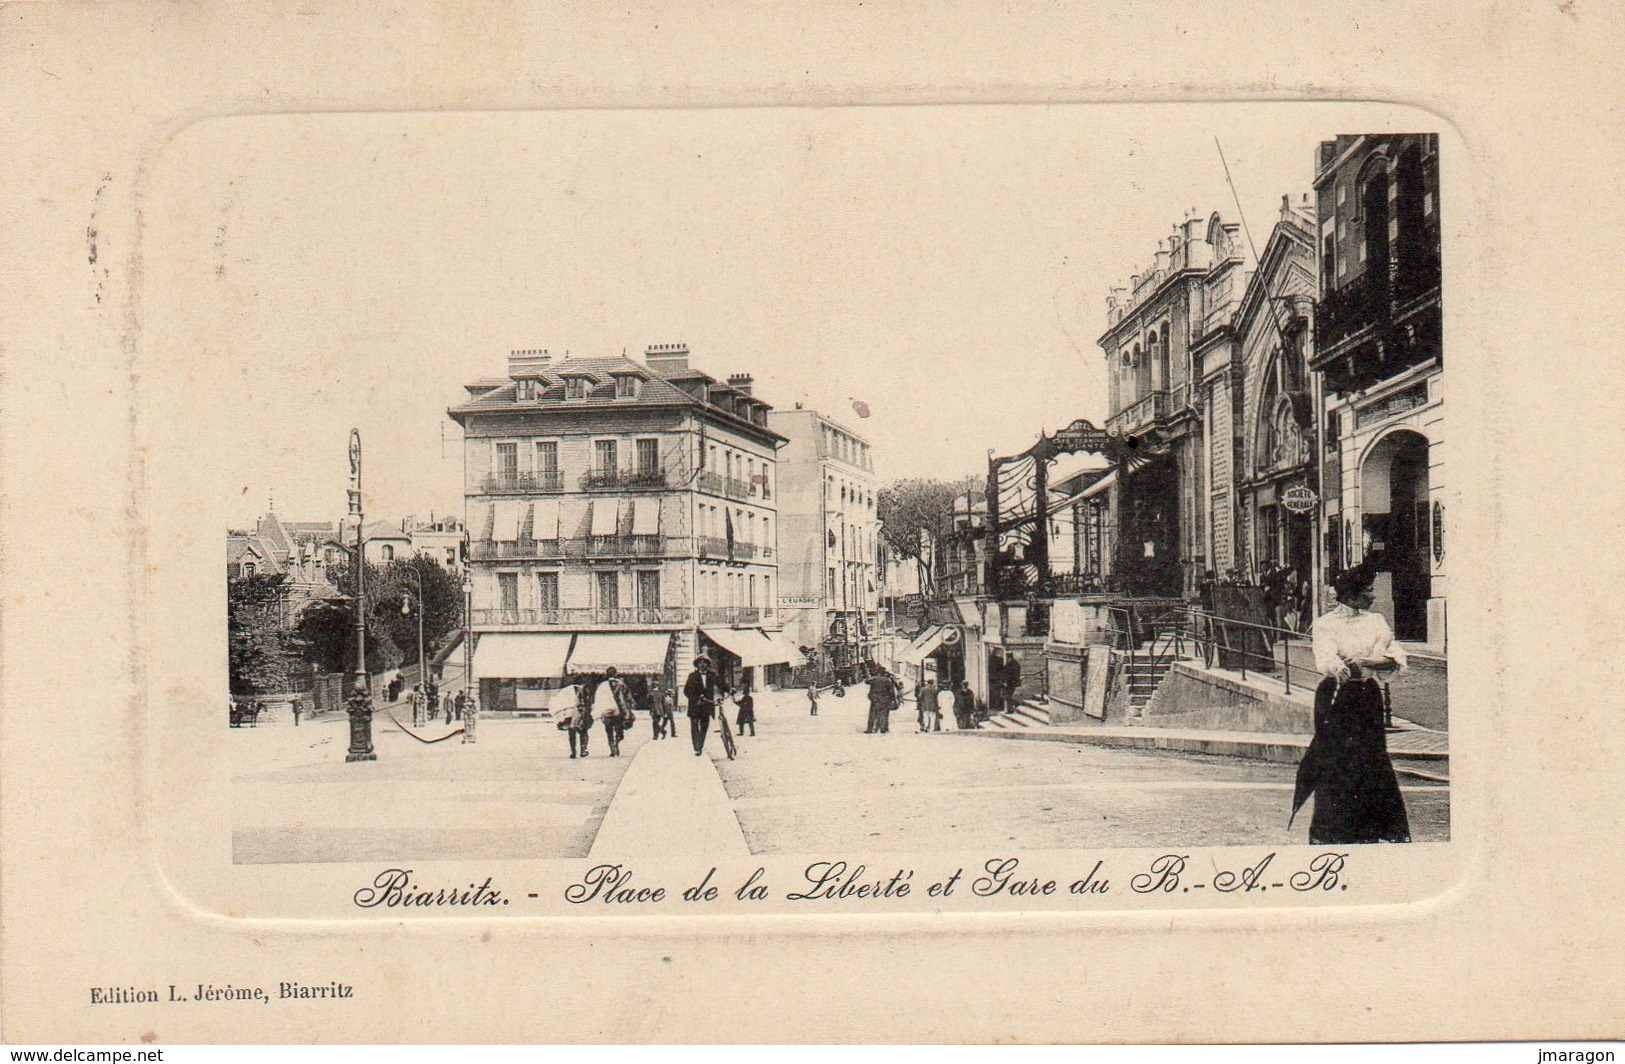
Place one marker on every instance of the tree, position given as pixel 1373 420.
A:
pixel 260 654
pixel 917 517
pixel 442 605
pixel 327 629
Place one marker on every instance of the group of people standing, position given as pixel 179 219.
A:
pixel 428 703
pixel 609 700
pixel 886 694
pixel 930 698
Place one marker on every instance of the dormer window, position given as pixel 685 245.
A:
pixel 626 386
pixel 525 391
pixel 576 387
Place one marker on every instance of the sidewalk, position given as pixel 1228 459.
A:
pixel 670 804
pixel 1406 744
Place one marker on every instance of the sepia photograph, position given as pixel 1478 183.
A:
pixel 795 482
pixel 882 523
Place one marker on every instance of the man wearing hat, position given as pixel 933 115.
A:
pixel 704 693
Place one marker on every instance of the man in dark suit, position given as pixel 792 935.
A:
pixel 704 692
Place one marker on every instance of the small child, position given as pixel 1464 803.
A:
pixel 747 713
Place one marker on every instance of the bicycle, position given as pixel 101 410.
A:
pixel 728 746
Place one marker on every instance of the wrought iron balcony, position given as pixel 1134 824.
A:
pixel 545 549
pixel 625 546
pixel 717 547
pixel 1140 414
pixel 581 616
pixel 502 550
pixel 624 480
pixel 541 480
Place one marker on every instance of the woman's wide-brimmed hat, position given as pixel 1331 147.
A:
pixel 1354 580
pixel 701 658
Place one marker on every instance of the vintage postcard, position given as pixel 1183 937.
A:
pixel 702 534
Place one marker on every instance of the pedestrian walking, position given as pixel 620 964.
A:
pixel 964 707
pixel 420 702
pixel 298 708
pixel 574 715
pixel 466 714
pixel 660 711
pixel 930 705
pixel 704 691
pixel 882 700
pixel 610 702
pixel 747 713
pixel 1346 767
pixel 812 698
pixel 444 705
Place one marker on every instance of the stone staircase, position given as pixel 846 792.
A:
pixel 1142 677
pixel 1030 713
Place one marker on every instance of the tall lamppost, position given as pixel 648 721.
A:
pixel 359 704
pixel 423 666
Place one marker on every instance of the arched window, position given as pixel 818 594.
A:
pixel 1374 218
pixel 388 553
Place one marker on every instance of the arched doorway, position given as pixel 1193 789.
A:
pixel 1394 501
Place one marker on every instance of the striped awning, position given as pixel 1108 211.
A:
pixel 643 653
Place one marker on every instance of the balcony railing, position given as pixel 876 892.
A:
pixel 592 547
pixel 717 547
pixel 1345 311
pixel 737 615
pixel 628 616
pixel 623 480
pixel 502 550
pixel 1139 415
pixel 625 546
pixel 714 483
pixel 542 480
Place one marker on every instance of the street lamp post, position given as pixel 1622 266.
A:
pixel 359 704
pixel 423 666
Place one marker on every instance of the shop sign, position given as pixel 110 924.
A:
pixel 1299 499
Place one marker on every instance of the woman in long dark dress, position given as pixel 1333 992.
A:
pixel 1346 767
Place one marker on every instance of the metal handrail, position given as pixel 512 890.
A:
pixel 1209 646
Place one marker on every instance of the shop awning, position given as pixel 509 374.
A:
pixel 635 652
pixel 521 655
pixel 748 644
pixel 1103 484
pixel 790 654
pixel 927 641
pixel 969 612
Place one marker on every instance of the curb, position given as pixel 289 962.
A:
pixel 1284 752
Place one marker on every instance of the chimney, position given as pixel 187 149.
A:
pixel 666 358
pixel 741 382
pixel 528 360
